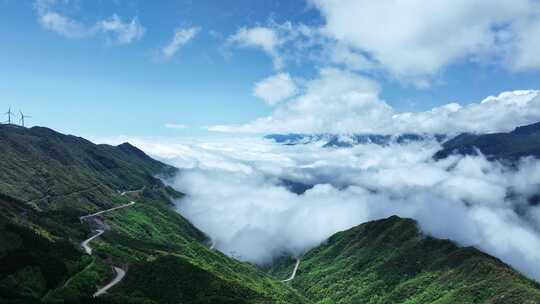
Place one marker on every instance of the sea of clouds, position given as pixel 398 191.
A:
pixel 237 196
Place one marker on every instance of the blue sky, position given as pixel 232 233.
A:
pixel 92 84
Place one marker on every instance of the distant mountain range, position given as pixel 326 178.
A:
pixel 511 146
pixel 49 180
pixel 349 140
pixel 523 141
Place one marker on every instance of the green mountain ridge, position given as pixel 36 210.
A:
pixel 48 180
pixel 391 261
pixel 55 171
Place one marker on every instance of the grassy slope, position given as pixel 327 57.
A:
pixel 390 261
pixel 47 180
pixel 55 171
pixel 168 267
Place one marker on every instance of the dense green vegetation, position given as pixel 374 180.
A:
pixel 390 261
pixel 149 234
pixel 53 171
pixel 35 265
pixel 523 141
pixel 48 180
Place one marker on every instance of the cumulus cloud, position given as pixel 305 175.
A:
pixel 523 55
pixel 341 54
pixel 181 37
pixel 410 41
pixel 335 102
pixel 264 38
pixel 236 194
pixel 339 101
pixel 414 40
pixel 119 31
pixel 275 89
pixel 500 113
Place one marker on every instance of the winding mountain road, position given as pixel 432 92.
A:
pixel 82 218
pixel 293 274
pixel 120 273
pixel 85 245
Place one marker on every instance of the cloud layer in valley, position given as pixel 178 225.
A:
pixel 237 195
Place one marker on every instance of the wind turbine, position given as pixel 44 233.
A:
pixel 9 113
pixel 23 117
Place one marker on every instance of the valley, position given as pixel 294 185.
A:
pixel 137 249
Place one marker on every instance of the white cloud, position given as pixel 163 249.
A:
pixel 124 32
pixel 265 38
pixel 341 54
pixel 337 101
pixel 283 42
pixel 180 38
pixel 51 19
pixel 340 102
pixel 275 89
pixel 500 113
pixel 414 40
pixel 524 54
pixel 411 41
pixel 63 25
pixel 251 215
pixel 175 126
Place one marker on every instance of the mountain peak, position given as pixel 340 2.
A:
pixel 131 149
pixel 527 130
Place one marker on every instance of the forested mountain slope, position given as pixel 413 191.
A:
pixel 48 180
pixel 391 261
pixel 55 171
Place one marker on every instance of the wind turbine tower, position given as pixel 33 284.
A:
pixel 9 113
pixel 23 117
